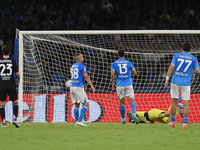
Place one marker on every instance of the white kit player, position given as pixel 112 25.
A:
pixel 182 66
pixel 123 69
pixel 78 95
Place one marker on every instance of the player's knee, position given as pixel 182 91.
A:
pixel 131 99
pixel 121 101
pixel 86 104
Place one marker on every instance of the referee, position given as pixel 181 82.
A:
pixel 8 67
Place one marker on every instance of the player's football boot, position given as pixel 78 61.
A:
pixel 123 120
pixel 80 124
pixel 3 125
pixel 135 119
pixel 172 124
pixel 184 127
pixel 16 124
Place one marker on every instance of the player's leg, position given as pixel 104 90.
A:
pixel 121 97
pixel 185 113
pixel 76 111
pixel 13 97
pixel 82 114
pixel 3 95
pixel 131 98
pixel 185 94
pixel 82 98
pixel 174 91
pixel 2 112
pixel 167 113
pixel 173 110
pixel 74 100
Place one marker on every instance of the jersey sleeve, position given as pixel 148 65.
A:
pixel 196 65
pixel 174 60
pixel 15 66
pixel 112 67
pixel 164 120
pixel 131 66
pixel 83 68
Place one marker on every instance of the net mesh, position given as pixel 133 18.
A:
pixel 46 67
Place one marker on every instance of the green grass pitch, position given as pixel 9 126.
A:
pixel 99 136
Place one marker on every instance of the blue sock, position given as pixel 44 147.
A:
pixel 185 119
pixel 173 117
pixel 122 110
pixel 133 108
pixel 76 113
pixel 83 112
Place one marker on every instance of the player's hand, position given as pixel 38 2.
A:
pixel 18 81
pixel 113 87
pixel 93 89
pixel 166 83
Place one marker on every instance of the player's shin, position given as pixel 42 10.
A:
pixel 185 120
pixel 2 112
pixel 122 110
pixel 133 108
pixel 76 113
pixel 15 110
pixel 82 114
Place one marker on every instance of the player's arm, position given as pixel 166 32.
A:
pixel 170 70
pixel 87 78
pixel 198 71
pixel 196 66
pixel 18 77
pixel 134 72
pixel 113 79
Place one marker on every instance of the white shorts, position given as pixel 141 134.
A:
pixel 78 95
pixel 176 90
pixel 125 91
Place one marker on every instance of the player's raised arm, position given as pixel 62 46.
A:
pixel 170 70
pixel 113 79
pixel 87 78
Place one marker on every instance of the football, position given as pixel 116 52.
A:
pixel 68 83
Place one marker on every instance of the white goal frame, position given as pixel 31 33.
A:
pixel 21 33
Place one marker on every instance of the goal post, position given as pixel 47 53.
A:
pixel 45 58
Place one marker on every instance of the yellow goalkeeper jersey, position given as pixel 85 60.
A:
pixel 153 115
pixel 157 115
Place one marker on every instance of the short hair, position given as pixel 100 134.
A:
pixel 121 53
pixel 5 50
pixel 186 47
pixel 76 55
pixel 129 114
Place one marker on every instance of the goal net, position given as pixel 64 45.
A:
pixel 45 59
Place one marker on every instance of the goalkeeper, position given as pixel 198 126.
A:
pixel 154 115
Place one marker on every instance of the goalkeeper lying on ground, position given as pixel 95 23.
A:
pixel 154 115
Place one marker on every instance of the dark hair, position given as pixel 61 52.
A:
pixel 121 53
pixel 186 47
pixel 5 50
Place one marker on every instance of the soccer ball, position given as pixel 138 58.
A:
pixel 68 83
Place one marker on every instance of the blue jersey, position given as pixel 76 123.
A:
pixel 123 69
pixel 77 77
pixel 184 64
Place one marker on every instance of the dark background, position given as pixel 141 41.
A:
pixel 96 15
